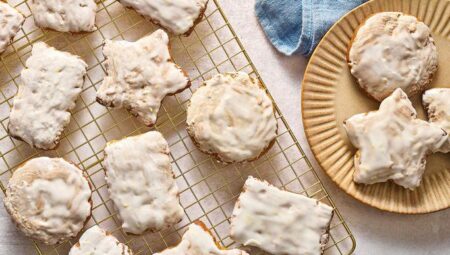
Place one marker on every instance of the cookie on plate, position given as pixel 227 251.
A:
pixel 51 83
pixel 49 199
pixel 65 15
pixel 279 222
pixel 11 21
pixel 141 183
pixel 232 118
pixel 95 241
pixel 140 75
pixel 392 143
pixel 437 104
pixel 176 16
pixel 392 50
pixel 197 240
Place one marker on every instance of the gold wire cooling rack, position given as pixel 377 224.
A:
pixel 208 189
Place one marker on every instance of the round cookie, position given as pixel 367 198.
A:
pixel 393 50
pixel 49 199
pixel 232 118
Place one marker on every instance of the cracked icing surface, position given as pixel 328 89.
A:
pixel 232 117
pixel 52 81
pixel 279 222
pixel 198 241
pixel 10 23
pixel 65 15
pixel 177 16
pixel 437 104
pixel 48 199
pixel 96 241
pixel 140 75
pixel 141 183
pixel 392 142
pixel 392 50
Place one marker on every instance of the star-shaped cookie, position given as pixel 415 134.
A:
pixel 140 75
pixel 392 142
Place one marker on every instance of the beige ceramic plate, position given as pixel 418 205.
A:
pixel 330 95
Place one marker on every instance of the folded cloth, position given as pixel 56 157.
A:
pixel 297 26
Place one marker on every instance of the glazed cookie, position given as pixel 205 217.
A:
pixel 65 15
pixel 141 183
pixel 232 118
pixel 140 75
pixel 52 81
pixel 49 199
pixel 393 50
pixel 11 21
pixel 177 16
pixel 279 222
pixel 437 104
pixel 197 240
pixel 392 143
pixel 95 241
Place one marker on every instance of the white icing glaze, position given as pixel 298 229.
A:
pixel 198 241
pixel 52 82
pixel 140 75
pixel 49 199
pixel 279 222
pixel 65 15
pixel 96 241
pixel 437 103
pixel 177 16
pixel 141 183
pixel 392 50
pixel 232 117
pixel 392 142
pixel 10 23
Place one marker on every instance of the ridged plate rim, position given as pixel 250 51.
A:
pixel 321 126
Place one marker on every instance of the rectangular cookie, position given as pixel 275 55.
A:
pixel 176 16
pixel 279 222
pixel 141 183
pixel 51 83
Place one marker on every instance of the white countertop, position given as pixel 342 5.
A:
pixel 376 232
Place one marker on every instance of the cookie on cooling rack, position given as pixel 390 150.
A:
pixel 65 16
pixel 141 183
pixel 96 241
pixel 140 75
pixel 266 217
pixel 232 118
pixel 49 199
pixel 437 104
pixel 177 16
pixel 393 50
pixel 392 143
pixel 11 21
pixel 51 83
pixel 197 240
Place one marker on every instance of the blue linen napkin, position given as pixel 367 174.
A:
pixel 297 26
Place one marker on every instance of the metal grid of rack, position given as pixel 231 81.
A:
pixel 208 189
